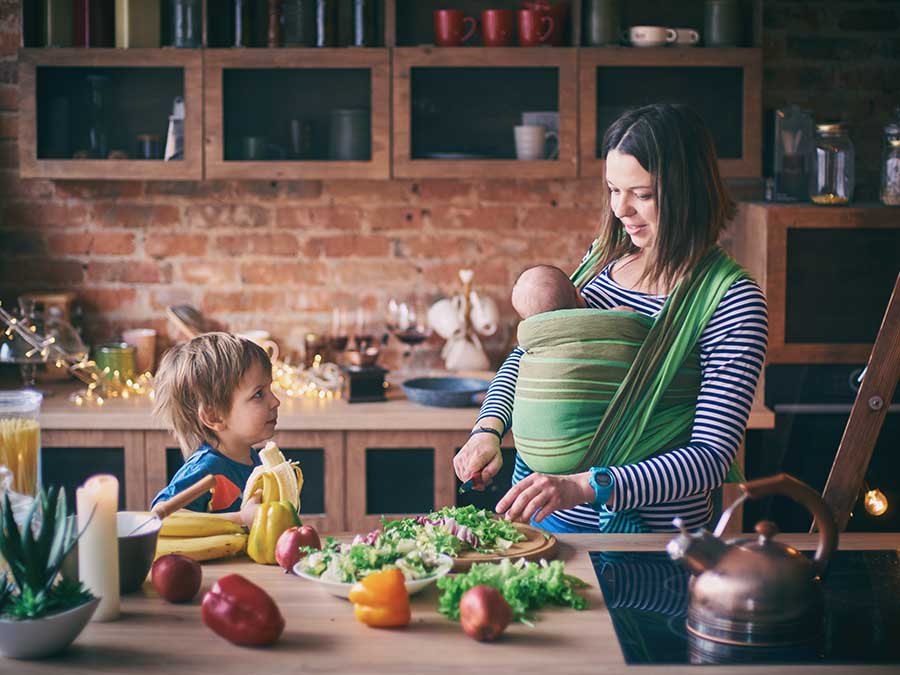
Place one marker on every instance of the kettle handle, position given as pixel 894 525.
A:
pixel 783 484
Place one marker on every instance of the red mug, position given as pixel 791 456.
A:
pixel 497 27
pixel 557 11
pixel 535 28
pixel 449 27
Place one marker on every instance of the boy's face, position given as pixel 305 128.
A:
pixel 254 410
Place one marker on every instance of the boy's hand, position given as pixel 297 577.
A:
pixel 248 511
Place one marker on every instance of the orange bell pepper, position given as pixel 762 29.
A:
pixel 380 600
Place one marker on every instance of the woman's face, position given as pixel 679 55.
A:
pixel 631 198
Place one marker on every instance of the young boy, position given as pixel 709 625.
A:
pixel 214 393
pixel 544 288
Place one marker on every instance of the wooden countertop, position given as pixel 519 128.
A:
pixel 395 414
pixel 322 634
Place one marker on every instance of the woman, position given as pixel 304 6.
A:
pixel 667 206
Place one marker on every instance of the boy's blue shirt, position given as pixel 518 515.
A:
pixel 202 463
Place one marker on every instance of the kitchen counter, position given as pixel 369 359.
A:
pixel 322 634
pixel 397 414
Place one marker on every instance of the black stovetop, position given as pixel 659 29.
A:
pixel 646 595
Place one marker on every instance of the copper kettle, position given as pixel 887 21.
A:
pixel 757 591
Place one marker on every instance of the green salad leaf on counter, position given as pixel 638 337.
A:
pixel 478 529
pixel 526 586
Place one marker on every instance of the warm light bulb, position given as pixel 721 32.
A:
pixel 876 502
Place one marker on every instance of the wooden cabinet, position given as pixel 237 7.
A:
pixel 283 101
pixel 75 104
pixel 827 273
pixel 723 85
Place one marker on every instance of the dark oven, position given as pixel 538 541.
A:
pixel 812 404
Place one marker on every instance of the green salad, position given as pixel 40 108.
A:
pixel 415 546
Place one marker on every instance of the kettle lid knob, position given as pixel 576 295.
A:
pixel 766 529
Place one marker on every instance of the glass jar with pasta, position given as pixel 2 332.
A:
pixel 20 438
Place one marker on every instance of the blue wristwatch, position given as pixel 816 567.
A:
pixel 602 481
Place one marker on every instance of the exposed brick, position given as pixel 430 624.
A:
pixel 319 218
pixel 9 124
pixel 348 245
pixel 798 17
pixel 187 188
pixel 445 190
pixel 99 301
pixel 204 272
pixel 563 220
pixel 20 242
pixel 369 191
pixel 43 214
pixel 393 218
pixel 9 71
pixel 366 274
pixel 242 301
pixel 172 245
pixel 9 154
pixel 447 247
pixel 13 187
pixel 160 298
pixel 128 272
pixel 869 77
pixel 134 215
pixel 257 244
pixel 278 274
pixel 488 272
pixel 512 191
pixel 100 189
pixel 87 243
pixel 46 273
pixel 226 215
pixel 306 190
pixel 485 218
pixel 9 42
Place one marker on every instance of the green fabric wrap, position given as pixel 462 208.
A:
pixel 609 388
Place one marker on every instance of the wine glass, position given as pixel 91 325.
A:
pixel 339 335
pixel 408 322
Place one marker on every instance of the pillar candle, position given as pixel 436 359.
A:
pixel 98 547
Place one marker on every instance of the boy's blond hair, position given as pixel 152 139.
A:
pixel 202 374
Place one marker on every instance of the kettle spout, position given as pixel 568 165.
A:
pixel 698 552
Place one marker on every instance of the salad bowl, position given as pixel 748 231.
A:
pixel 413 586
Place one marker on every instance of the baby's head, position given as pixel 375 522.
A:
pixel 198 379
pixel 544 288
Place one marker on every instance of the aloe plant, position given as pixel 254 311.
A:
pixel 35 555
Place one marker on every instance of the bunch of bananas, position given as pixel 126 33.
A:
pixel 201 536
pixel 277 478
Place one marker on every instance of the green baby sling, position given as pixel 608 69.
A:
pixel 638 376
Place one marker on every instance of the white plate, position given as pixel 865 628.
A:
pixel 412 586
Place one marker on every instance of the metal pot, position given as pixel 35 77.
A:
pixel 757 591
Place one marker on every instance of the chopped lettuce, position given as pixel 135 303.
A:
pixel 526 586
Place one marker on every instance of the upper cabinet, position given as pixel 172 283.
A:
pixel 364 89
pixel 109 113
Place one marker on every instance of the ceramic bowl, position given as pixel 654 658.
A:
pixel 412 586
pixel 136 551
pixel 446 392
pixel 37 638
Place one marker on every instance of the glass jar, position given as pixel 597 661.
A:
pixel 116 360
pixel 832 178
pixel 186 23
pixel 890 166
pixel 20 438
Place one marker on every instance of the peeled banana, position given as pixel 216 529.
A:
pixel 279 479
pixel 193 524
pixel 202 548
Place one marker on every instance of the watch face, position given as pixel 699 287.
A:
pixel 602 479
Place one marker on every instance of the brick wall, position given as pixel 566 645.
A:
pixel 280 256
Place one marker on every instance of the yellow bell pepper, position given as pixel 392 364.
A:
pixel 380 599
pixel 272 518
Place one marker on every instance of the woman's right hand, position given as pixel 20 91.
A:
pixel 480 459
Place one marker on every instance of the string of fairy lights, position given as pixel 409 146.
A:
pixel 322 380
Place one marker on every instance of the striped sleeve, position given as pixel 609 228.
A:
pixel 498 402
pixel 733 349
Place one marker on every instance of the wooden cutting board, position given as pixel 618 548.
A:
pixel 536 545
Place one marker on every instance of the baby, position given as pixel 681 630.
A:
pixel 544 288
pixel 214 394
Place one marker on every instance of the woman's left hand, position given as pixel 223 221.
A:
pixel 539 491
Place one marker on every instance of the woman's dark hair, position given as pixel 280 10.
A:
pixel 672 144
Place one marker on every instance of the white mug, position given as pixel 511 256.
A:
pixel 531 141
pixel 650 36
pixel 261 337
pixel 686 37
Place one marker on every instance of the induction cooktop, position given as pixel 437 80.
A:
pixel 647 597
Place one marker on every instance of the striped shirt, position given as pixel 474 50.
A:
pixel 678 482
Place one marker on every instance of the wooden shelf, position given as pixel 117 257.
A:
pixel 188 61
pixel 375 61
pixel 749 80
pixel 563 60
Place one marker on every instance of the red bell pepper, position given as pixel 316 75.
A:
pixel 242 612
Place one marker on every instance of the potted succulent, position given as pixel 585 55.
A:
pixel 40 613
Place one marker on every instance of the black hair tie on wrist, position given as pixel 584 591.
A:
pixel 486 430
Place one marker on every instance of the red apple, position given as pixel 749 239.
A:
pixel 484 613
pixel 287 550
pixel 176 577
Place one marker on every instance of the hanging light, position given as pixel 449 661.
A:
pixel 876 503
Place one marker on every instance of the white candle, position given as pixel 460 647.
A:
pixel 98 547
